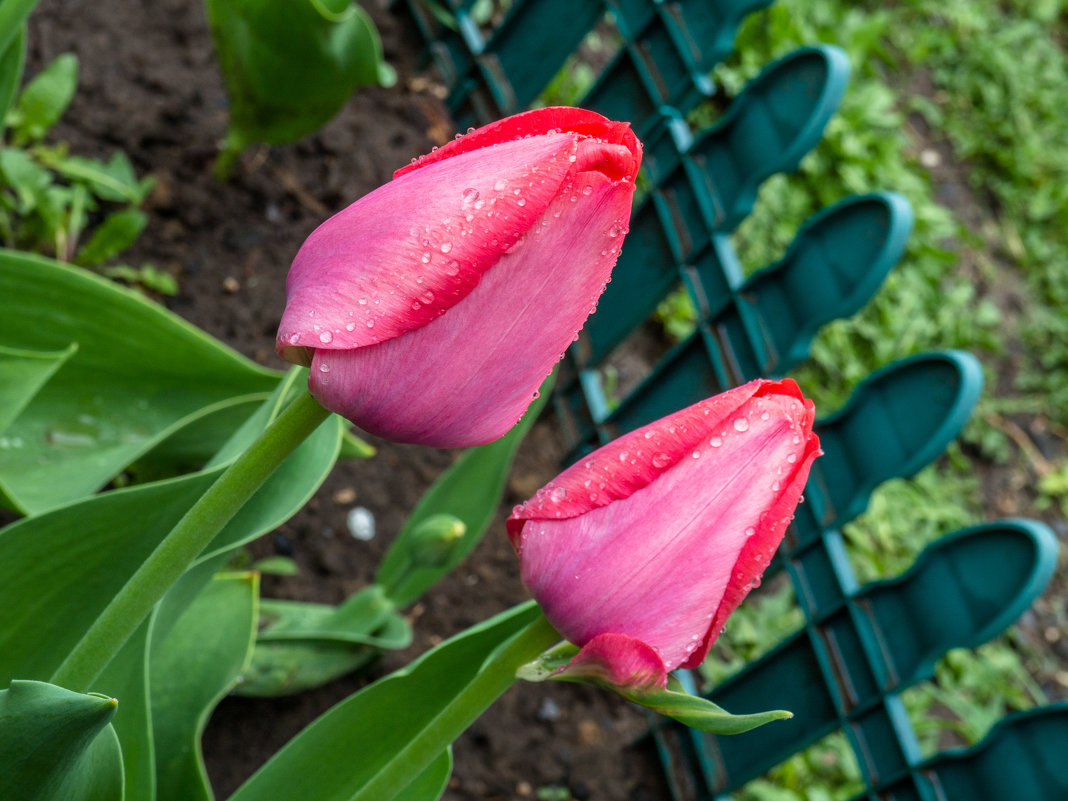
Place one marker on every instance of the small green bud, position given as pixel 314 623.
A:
pixel 435 539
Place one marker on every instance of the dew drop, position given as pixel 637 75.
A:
pixel 586 190
pixel 452 268
pixel 370 323
pixel 797 440
pixel 696 454
pixel 661 460
pixel 293 339
pixel 326 337
pixel 521 202
pixel 749 532
pixel 791 458
pixel 416 305
pixel 765 416
pixel 324 368
pixel 715 442
pixel 350 326
pixel 614 231
pixel 362 301
pixel 426 258
pixel 427 297
pixel 558 493
pixel 500 185
pixel 741 424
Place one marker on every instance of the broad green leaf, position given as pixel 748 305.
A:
pixel 470 490
pixel 126 679
pixel 380 720
pixel 57 744
pixel 303 645
pixel 22 374
pixel 13 14
pixel 289 67
pixel 430 784
pixel 12 59
pixel 140 375
pixel 117 232
pixel 45 98
pixel 191 670
pixel 59 569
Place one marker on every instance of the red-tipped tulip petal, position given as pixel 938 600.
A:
pixel 432 309
pixel 659 535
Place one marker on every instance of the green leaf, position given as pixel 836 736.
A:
pixel 114 180
pixel 27 178
pixel 117 232
pixel 430 784
pixel 126 679
pixel 303 645
pixel 45 98
pixel 12 59
pixel 22 374
pixel 56 744
pixel 192 668
pixel 378 722
pixel 352 447
pixel 277 566
pixel 13 14
pixel 289 67
pixel 470 490
pixel 59 569
pixel 140 375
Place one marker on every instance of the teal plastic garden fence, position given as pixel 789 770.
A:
pixel 861 646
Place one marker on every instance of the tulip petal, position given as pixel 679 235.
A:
pixel 625 465
pixel 404 254
pixel 493 349
pixel 686 537
pixel 618 661
pixel 536 122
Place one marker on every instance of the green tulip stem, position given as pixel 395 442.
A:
pixel 186 541
pixel 497 674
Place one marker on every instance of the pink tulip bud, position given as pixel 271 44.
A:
pixel 431 309
pixel 639 552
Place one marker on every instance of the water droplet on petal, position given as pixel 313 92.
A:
pixel 765 416
pixel 715 442
pixel 324 368
pixel 326 337
pixel 362 301
pixel 791 458
pixel 500 185
pixel 370 323
pixel 350 326
pixel 446 247
pixel 559 493
pixel 521 202
pixel 586 190
pixel 661 460
pixel 749 532
pixel 741 424
pixel 614 231
pixel 696 454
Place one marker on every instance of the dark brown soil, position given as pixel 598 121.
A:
pixel 149 86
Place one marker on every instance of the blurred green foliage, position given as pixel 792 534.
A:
pixel 80 210
pixel 290 67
